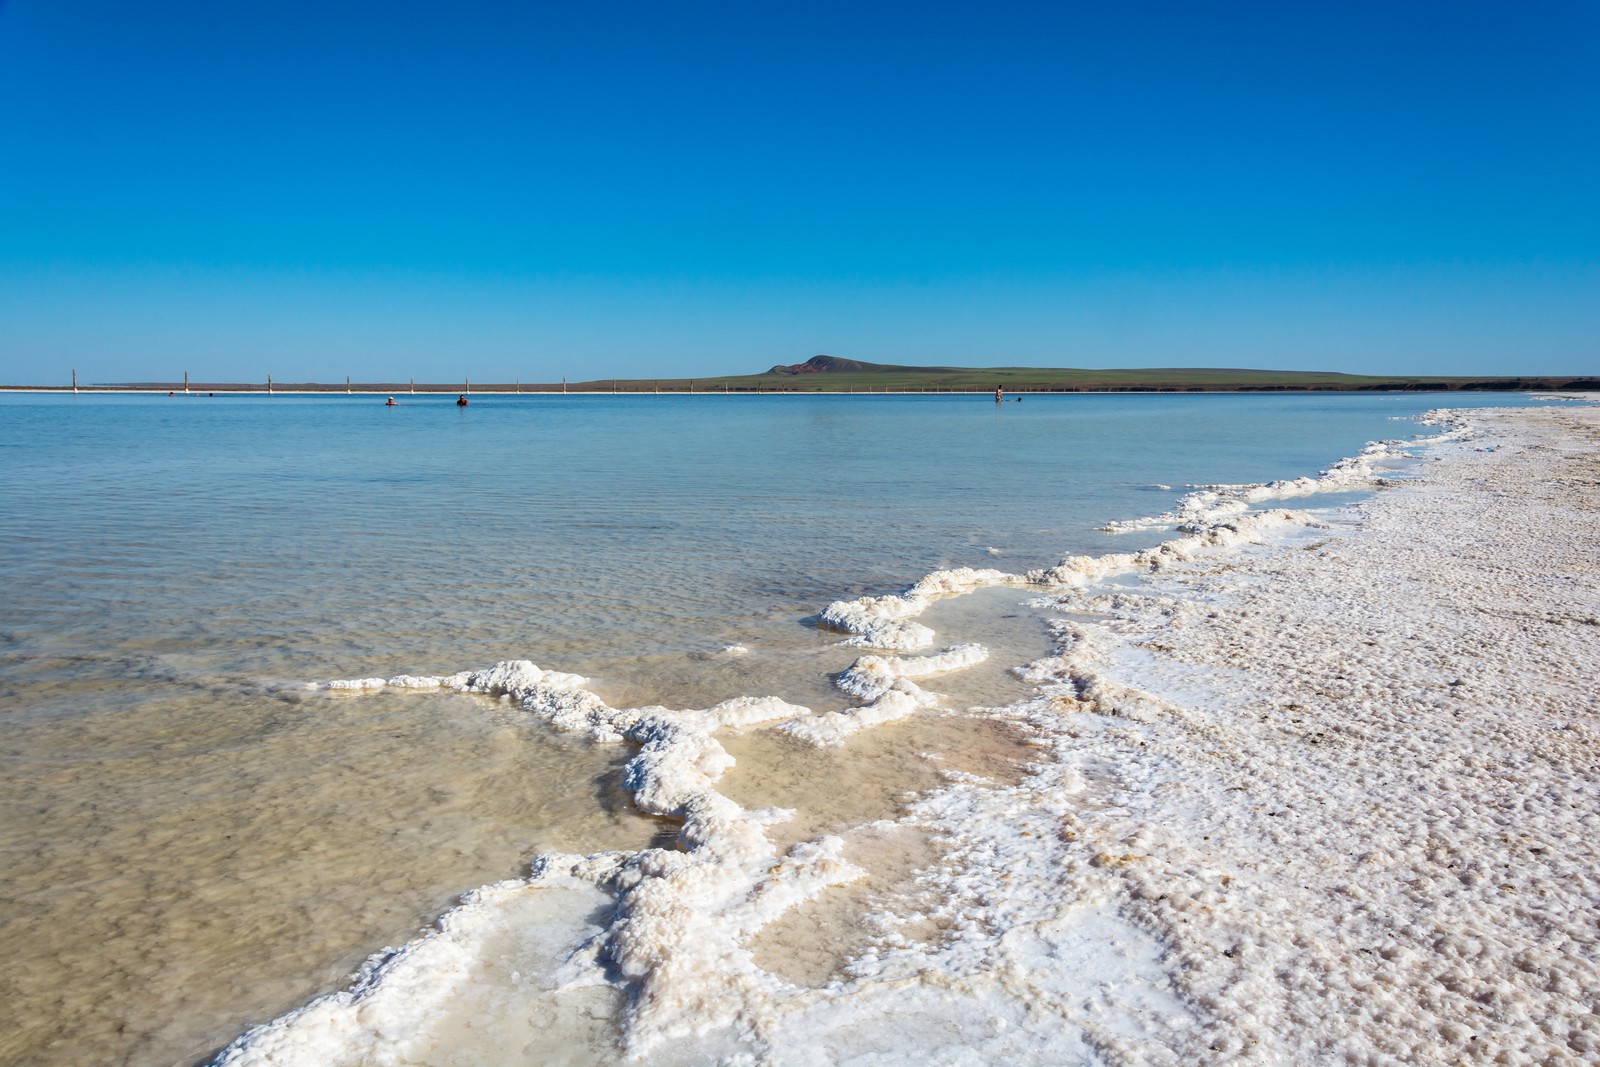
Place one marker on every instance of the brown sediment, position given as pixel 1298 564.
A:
pixel 874 775
pixel 811 944
pixel 856 790
pixel 163 891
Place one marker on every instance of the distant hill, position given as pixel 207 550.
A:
pixel 833 374
pixel 832 364
pixel 836 365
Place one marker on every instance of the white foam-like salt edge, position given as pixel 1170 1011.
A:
pixel 869 677
pixel 886 621
pixel 1212 517
pixel 381 1017
pixel 692 975
pixel 1209 505
pixel 501 678
pixel 885 683
pixel 834 727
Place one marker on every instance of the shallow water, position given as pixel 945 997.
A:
pixel 180 868
pixel 193 845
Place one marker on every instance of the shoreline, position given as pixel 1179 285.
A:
pixel 1541 392
pixel 211 392
pixel 1182 950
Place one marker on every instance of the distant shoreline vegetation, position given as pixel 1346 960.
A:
pixel 830 374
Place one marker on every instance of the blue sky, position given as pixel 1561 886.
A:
pixel 587 190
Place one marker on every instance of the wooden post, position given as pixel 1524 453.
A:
pixel 413 386
pixel 269 385
pixel 347 385
pixel 74 381
pixel 186 381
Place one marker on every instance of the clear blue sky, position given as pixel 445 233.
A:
pixel 539 190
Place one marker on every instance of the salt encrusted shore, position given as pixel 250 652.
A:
pixel 1351 782
pixel 1320 788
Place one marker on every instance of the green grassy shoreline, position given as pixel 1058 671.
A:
pixel 828 374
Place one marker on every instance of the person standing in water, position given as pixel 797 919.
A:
pixel 999 394
pixel 461 401
pixel 390 403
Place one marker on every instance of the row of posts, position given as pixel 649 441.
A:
pixel 412 384
pixel 466 384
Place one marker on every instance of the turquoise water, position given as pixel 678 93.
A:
pixel 290 538
pixel 169 567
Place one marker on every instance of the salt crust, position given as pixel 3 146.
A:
pixel 1086 915
pixel 680 916
pixel 1354 781
pixel 885 682
pixel 1211 504
pixel 886 621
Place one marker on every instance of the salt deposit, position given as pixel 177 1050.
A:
pixel 1209 505
pixel 872 676
pixel 1353 782
pixel 1320 787
pixel 887 621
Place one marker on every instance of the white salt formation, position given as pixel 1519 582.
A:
pixel 1319 788
pixel 1209 505
pixel 886 621
pixel 1354 784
